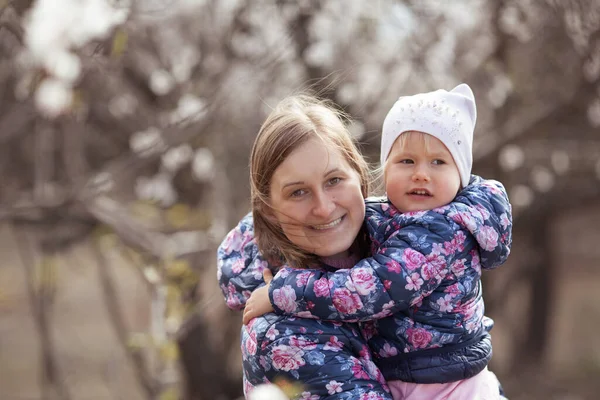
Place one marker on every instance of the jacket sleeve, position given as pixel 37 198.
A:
pixel 327 365
pixel 484 210
pixel 409 263
pixel 239 264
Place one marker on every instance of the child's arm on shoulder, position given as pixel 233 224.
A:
pixel 408 265
pixel 240 264
pixel 484 210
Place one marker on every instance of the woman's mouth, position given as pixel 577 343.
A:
pixel 329 225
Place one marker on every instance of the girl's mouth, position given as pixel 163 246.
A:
pixel 420 192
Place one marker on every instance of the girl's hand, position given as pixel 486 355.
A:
pixel 259 303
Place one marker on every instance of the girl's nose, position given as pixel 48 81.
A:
pixel 420 175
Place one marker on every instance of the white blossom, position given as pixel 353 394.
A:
pixel 63 65
pixel 593 113
pixel 176 157
pixel 189 107
pixel 53 97
pixel 511 157
pixel 542 178
pixel 560 161
pixel 161 82
pixel 158 188
pixel 122 105
pixel 203 165
pixel 146 143
pixel 521 196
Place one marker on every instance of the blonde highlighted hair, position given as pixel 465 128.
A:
pixel 290 124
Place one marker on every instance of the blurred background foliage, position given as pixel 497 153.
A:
pixel 125 130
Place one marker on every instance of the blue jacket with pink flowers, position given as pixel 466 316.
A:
pixel 421 291
pixel 328 360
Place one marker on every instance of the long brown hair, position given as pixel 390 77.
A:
pixel 290 124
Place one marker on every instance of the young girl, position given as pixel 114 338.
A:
pixel 421 289
pixel 304 167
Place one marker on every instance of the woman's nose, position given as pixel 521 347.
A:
pixel 324 205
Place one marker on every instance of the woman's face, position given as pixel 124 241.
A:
pixel 317 200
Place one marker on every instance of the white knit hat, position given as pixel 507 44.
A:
pixel 449 116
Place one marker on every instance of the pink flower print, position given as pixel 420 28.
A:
pixel 272 333
pixel 475 261
pixel 321 287
pixel 286 358
pixel 453 290
pixel 368 329
pixel 238 266
pixel 388 351
pixel 334 387
pixel 419 337
pixel 333 344
pixel 285 299
pixel 233 301
pixel 309 396
pixel 363 279
pixel 437 249
pixel 414 282
pixel 251 343
pixel 370 396
pixel 445 303
pixel 428 271
pixel 484 212
pixel 385 310
pixel 384 207
pixel 302 343
pixel 458 267
pixel 232 242
pixel 437 261
pixel 247 387
pixel 487 237
pixel 412 259
pixel 302 278
pixel 504 221
pixel 358 371
pixel 465 219
pixel 492 187
pixel 305 314
pixel 346 302
pixel 387 284
pixel 261 265
pixel 393 266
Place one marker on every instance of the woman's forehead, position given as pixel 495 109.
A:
pixel 314 159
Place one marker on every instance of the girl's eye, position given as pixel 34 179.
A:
pixel 438 162
pixel 334 181
pixel 406 161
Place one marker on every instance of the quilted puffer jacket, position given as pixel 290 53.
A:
pixel 329 360
pixel 420 291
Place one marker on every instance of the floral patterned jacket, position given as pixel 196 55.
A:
pixel 421 290
pixel 329 360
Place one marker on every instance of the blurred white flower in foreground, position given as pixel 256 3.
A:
pixel 158 188
pixel 267 392
pixel 53 29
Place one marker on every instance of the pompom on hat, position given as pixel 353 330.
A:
pixel 448 116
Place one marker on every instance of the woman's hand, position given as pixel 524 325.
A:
pixel 259 303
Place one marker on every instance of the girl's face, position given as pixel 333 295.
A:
pixel 420 176
pixel 317 200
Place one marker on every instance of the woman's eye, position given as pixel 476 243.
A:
pixel 334 181
pixel 298 193
pixel 439 162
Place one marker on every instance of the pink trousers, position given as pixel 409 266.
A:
pixel 483 386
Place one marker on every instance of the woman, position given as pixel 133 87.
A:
pixel 308 183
